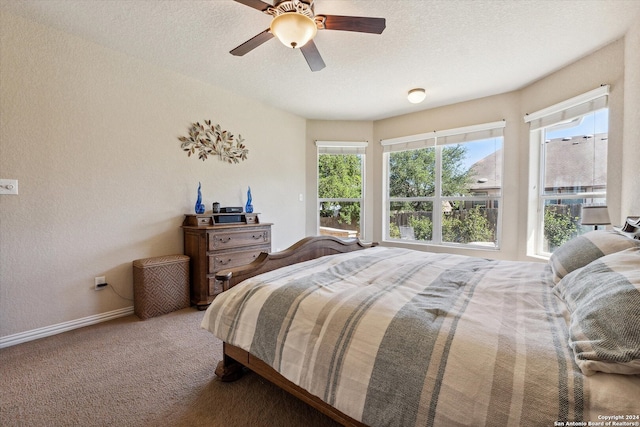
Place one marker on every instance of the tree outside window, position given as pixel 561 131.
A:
pixel 340 189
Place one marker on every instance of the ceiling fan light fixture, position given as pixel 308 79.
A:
pixel 293 29
pixel 416 96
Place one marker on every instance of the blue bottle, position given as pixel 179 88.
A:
pixel 199 205
pixel 248 208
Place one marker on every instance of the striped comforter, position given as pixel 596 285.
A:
pixel 395 337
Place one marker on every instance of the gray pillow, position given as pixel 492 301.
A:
pixel 604 301
pixel 582 250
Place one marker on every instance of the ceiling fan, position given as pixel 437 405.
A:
pixel 295 24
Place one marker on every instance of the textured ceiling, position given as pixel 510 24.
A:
pixel 456 49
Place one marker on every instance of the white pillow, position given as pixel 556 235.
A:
pixel 604 300
pixel 582 250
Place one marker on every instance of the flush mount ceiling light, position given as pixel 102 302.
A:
pixel 416 96
pixel 293 29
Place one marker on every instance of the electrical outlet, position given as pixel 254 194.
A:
pixel 8 186
pixel 100 283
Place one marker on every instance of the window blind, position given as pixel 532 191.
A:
pixel 570 109
pixel 413 142
pixel 342 147
pixel 444 137
pixel 471 133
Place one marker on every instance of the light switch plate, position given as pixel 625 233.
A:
pixel 8 186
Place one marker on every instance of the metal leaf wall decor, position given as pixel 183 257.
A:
pixel 211 140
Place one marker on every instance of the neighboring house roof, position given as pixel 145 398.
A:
pixel 487 172
pixel 569 163
pixel 581 161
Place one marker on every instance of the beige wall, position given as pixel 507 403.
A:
pixel 630 202
pixel 91 136
pixel 609 65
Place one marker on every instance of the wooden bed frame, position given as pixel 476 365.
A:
pixel 235 359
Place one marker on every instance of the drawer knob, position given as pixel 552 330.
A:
pixel 224 239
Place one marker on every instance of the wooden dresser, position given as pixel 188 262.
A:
pixel 213 246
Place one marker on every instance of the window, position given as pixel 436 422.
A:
pixel 569 160
pixel 341 188
pixel 445 187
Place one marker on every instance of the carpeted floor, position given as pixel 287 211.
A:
pixel 128 372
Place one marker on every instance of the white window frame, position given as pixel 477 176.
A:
pixel 538 121
pixel 431 139
pixel 343 147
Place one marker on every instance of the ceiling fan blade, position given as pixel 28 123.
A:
pixel 256 4
pixel 252 43
pixel 359 24
pixel 312 55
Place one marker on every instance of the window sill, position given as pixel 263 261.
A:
pixel 465 247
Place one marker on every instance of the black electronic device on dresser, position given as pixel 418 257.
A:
pixel 231 209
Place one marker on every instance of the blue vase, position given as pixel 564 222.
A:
pixel 248 208
pixel 199 205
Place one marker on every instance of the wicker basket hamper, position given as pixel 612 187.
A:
pixel 160 285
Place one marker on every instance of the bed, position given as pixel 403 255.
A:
pixel 383 336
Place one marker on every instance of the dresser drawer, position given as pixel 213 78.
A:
pixel 224 260
pixel 220 240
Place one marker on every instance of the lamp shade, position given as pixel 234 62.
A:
pixel 595 215
pixel 293 29
pixel 416 96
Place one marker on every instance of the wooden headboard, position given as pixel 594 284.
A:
pixel 304 250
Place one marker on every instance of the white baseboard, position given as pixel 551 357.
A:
pixel 34 334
